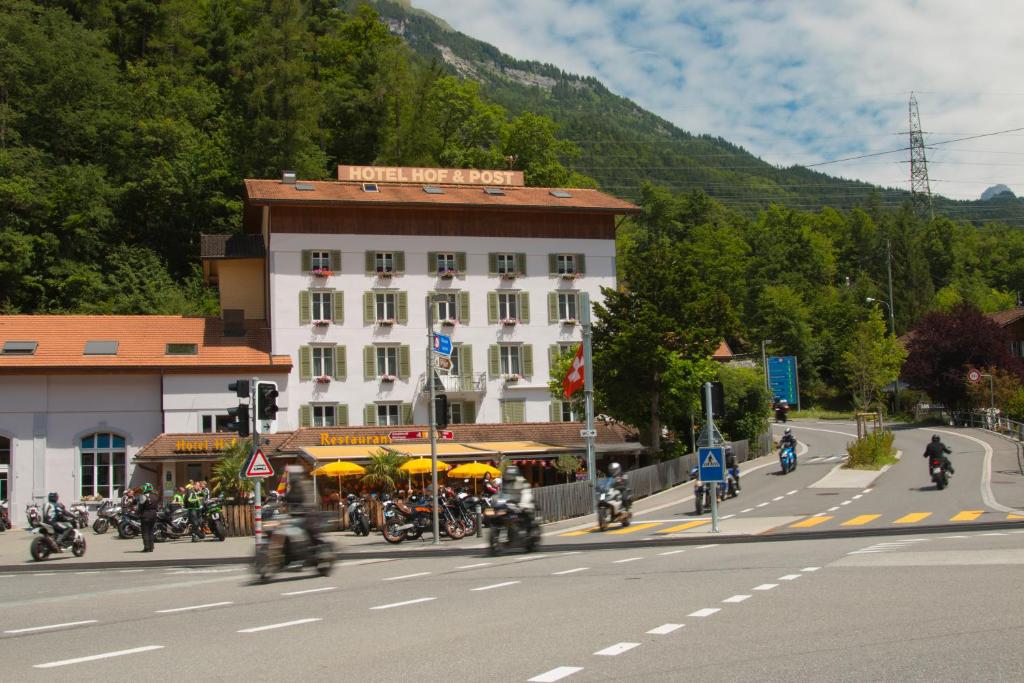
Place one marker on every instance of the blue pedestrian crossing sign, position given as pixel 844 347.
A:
pixel 711 462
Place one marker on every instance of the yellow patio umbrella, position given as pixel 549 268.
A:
pixel 341 468
pixel 474 470
pixel 422 466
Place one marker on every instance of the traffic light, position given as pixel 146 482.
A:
pixel 266 407
pixel 441 411
pixel 240 387
pixel 240 422
pixel 717 401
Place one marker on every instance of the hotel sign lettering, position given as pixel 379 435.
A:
pixel 204 445
pixel 440 176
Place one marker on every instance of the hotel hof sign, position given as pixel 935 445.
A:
pixel 440 176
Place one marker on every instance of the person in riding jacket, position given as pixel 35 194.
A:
pixel 56 515
pixel 936 450
pixel 194 504
pixel 620 482
pixel 178 499
pixel 301 505
pixel 730 465
pixel 516 490
pixel 148 504
pixel 787 440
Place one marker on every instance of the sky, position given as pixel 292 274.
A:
pixel 797 81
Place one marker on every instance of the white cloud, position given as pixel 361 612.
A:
pixel 795 81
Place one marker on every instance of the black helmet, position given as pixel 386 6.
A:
pixel 52 496
pixel 935 438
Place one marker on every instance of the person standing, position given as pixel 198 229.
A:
pixel 147 506
pixel 194 504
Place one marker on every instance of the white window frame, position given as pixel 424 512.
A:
pixel 508 305
pixel 447 305
pixel 324 415
pixel 323 361
pixel 568 413
pixel 324 300
pixel 568 303
pixel 382 302
pixel 92 457
pixel 445 262
pixel 511 359
pixel 384 261
pixel 320 260
pixel 565 264
pixel 215 422
pixel 387 360
pixel 506 263
pixel 385 416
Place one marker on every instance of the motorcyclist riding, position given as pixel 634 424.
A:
pixel 57 516
pixel 620 482
pixel 730 464
pixel 936 450
pixel 787 440
pixel 299 499
pixel 515 489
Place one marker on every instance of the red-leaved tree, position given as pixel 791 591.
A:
pixel 943 347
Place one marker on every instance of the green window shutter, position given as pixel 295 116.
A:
pixel 492 307
pixel 581 264
pixel 521 264
pixel 463 300
pixel 369 308
pixel 524 308
pixel 466 360
pixel 370 414
pixel 369 362
pixel 307 260
pixel 341 362
pixel 338 300
pixel 404 366
pixel 556 411
pixel 304 308
pixel 553 353
pixel 493 360
pixel 432 262
pixel 527 351
pixel 460 262
pixel 341 414
pixel 403 308
pixel 371 266
pixel 469 412
pixel 399 262
pixel 504 412
pixel 407 413
pixel 552 307
pixel 305 363
pixel 492 264
pixel 335 261
pixel 518 411
pixel 305 415
pixel 553 264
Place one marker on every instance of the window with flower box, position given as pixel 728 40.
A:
pixel 386 308
pixel 506 265
pixel 388 414
pixel 321 307
pixel 508 308
pixel 510 362
pixel 321 262
pixel 568 266
pixel 322 363
pixel 386 361
pixel 385 263
pixel 323 415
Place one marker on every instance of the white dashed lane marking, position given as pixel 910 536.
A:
pixel 283 624
pixel 403 603
pixel 405 576
pixel 736 598
pixel 810 569
pixel 789 577
pixel 570 571
pixel 192 607
pixel 766 586
pixel 52 626
pixel 495 585
pixel 706 612
pixel 673 552
pixel 93 658
pixel 616 649
pixel 628 559
pixel 555 674
pixel 311 590
pixel 665 629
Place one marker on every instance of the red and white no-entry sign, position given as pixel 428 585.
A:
pixel 974 376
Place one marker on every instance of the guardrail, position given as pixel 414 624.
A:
pixel 1003 426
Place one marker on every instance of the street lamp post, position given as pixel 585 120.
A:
pixel 764 366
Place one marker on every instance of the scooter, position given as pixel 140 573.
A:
pixel 45 543
pixel 511 527
pixel 787 458
pixel 610 506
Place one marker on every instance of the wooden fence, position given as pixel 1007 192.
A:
pixel 239 516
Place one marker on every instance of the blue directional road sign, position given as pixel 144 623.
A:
pixel 782 377
pixel 443 344
pixel 711 460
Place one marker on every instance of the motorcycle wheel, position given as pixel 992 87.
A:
pixel 39 549
pixel 325 561
pixel 699 503
pixel 262 564
pixel 78 547
pixel 627 519
pixel 602 518
pixel 100 526
pixel 454 529
pixel 159 535
pixel 494 545
pixel 364 527
pixel 218 530
pixel 126 530
pixel 391 533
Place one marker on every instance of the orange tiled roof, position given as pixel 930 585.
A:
pixel 1004 318
pixel 200 446
pixel 338 192
pixel 141 343
pixel 723 352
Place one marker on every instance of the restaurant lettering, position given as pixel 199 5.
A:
pixel 204 445
pixel 348 440
pixel 441 176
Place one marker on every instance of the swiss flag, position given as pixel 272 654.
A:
pixel 574 380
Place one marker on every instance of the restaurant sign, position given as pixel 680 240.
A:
pixel 440 176
pixel 353 439
pixel 204 445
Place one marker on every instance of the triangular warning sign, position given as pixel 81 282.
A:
pixel 259 466
pixel 711 461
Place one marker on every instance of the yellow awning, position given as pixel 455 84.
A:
pixel 322 454
pixel 418 450
pixel 517 447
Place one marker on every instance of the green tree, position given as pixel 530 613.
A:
pixel 567 465
pixel 872 361
pixel 383 472
pixel 227 479
pixel 746 402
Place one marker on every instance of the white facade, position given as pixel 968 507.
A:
pixel 288 280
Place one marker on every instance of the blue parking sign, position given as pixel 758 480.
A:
pixel 711 463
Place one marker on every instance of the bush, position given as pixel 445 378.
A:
pixel 872 452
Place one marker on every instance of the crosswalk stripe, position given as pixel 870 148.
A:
pixel 634 527
pixel 581 532
pixel 684 527
pixel 860 520
pixel 812 521
pixel 966 516
pixel 913 517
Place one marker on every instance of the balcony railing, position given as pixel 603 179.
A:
pixel 477 382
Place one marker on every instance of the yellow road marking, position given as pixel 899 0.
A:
pixel 860 520
pixel 966 516
pixel 913 517
pixel 581 532
pixel 684 527
pixel 810 521
pixel 634 527
pixel 1013 516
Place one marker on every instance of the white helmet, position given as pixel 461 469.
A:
pixel 614 469
pixel 788 431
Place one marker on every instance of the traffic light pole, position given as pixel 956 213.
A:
pixel 432 417
pixel 257 486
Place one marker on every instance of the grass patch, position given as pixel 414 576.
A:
pixel 820 414
pixel 873 452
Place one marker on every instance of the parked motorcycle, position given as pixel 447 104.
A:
pixel 358 520
pixel 940 475
pixel 213 518
pixel 171 523
pixel 462 512
pixel 108 515
pixel 610 506
pixel 511 527
pixel 287 545
pixel 130 526
pixel 80 513
pixel 409 522
pixel 33 515
pixel 787 458
pixel 46 543
pixel 5 516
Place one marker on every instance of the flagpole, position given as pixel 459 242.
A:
pixel 588 394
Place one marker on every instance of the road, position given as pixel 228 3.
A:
pixel 923 600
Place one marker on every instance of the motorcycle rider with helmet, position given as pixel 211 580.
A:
pixel 620 482
pixel 194 505
pixel 57 516
pixel 936 450
pixel 147 507
pixel 787 440
pixel 299 499
pixel 515 489
pixel 730 465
